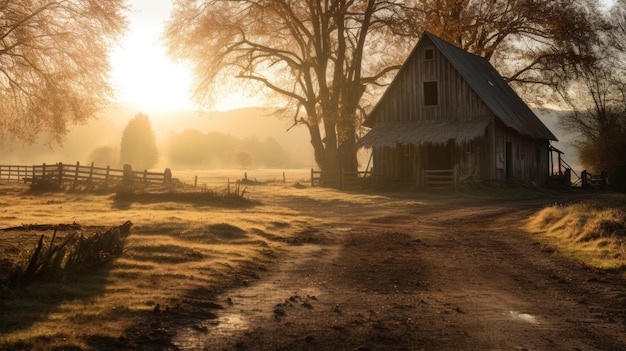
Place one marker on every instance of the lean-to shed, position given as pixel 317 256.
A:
pixel 448 109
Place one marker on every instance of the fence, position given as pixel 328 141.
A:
pixel 594 181
pixel 339 179
pixel 60 174
pixel 440 178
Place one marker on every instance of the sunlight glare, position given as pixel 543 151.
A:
pixel 142 73
pixel 145 76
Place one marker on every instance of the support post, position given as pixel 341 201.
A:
pixel 91 173
pixel 106 177
pixel 60 174
pixel 76 173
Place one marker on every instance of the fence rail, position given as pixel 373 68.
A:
pixel 339 179
pixel 61 174
pixel 440 178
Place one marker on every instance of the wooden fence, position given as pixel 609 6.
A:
pixel 61 174
pixel 339 180
pixel 440 178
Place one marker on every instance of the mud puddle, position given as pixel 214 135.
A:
pixel 264 302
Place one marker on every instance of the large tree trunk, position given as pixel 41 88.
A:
pixel 348 151
pixel 325 150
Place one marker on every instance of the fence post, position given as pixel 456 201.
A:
pixel 456 176
pixel 76 173
pixel 60 173
pixel 145 175
pixel 43 170
pixel 195 183
pixel 91 173
pixel 284 180
pixel 167 176
pixel 106 177
pixel 127 177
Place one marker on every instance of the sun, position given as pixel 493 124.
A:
pixel 146 77
pixel 142 74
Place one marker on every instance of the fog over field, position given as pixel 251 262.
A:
pixel 256 129
pixel 250 128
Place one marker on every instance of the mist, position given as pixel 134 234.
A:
pixel 185 140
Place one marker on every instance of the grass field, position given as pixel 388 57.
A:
pixel 592 231
pixel 178 251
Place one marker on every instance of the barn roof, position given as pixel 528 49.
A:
pixel 421 132
pixel 496 93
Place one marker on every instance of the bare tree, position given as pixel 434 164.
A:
pixel 325 56
pixel 309 53
pixel 54 63
pixel 243 158
pixel 597 100
pixel 533 43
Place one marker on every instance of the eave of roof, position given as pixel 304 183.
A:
pixel 423 132
pixel 496 93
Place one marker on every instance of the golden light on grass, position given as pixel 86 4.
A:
pixel 587 231
pixel 174 250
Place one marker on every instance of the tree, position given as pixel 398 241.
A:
pixel 54 63
pixel 597 100
pixel 323 56
pixel 104 156
pixel 138 147
pixel 243 158
pixel 531 42
pixel 309 53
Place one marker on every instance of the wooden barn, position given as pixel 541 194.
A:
pixel 449 114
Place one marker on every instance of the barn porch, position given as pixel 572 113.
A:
pixel 426 153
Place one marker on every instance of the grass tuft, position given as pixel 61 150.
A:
pixel 593 232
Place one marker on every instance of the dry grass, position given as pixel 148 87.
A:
pixel 176 250
pixel 179 250
pixel 591 231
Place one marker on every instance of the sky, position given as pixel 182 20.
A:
pixel 144 75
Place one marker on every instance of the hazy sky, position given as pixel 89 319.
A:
pixel 144 75
pixel 142 72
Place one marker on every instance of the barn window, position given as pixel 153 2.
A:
pixel 429 54
pixel 431 97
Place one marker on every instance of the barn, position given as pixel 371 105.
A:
pixel 449 114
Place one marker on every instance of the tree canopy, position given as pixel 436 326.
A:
pixel 532 43
pixel 54 63
pixel 597 101
pixel 325 57
pixel 138 147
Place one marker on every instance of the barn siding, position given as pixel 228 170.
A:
pixel 405 98
pixel 482 159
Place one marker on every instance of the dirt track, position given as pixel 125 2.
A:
pixel 444 278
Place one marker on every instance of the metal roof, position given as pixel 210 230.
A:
pixel 496 93
pixel 423 132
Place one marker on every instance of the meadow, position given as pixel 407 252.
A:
pixel 182 255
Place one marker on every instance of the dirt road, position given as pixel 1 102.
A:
pixel 421 278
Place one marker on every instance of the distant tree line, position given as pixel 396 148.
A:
pixel 195 149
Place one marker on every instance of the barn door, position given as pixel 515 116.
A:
pixel 509 160
pixel 440 156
